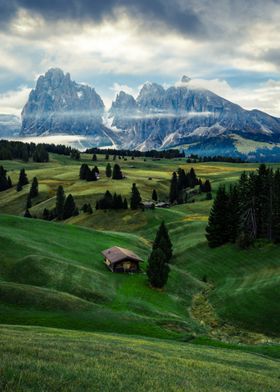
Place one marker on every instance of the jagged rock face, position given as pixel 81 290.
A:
pixel 177 115
pixel 59 105
pixel 10 125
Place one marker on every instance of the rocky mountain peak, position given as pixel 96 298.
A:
pixel 185 79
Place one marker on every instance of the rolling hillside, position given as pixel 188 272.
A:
pixel 52 275
pixel 74 361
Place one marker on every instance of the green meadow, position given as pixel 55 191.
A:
pixel 214 327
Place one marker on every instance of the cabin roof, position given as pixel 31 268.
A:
pixel 116 254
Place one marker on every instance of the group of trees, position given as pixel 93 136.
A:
pixel 111 202
pixel 65 207
pixel 40 154
pixel 169 154
pixel 247 211
pixel 179 182
pixel 5 181
pixel 93 174
pixel 89 174
pixel 158 268
pixel 23 151
pixel 193 158
pixel 75 154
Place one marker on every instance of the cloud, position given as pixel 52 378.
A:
pixel 178 15
pixel 12 102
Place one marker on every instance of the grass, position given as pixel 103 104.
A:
pixel 57 360
pixel 52 275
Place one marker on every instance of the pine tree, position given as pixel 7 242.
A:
pixel 94 158
pixel 125 205
pixel 23 180
pixel 84 171
pixel 233 213
pixel 192 178
pixel 27 214
pixel 207 187
pixel 60 200
pixel 163 241
pixel 158 269
pixel 34 188
pixel 135 197
pixel 108 170
pixel 28 202
pixel 10 184
pixel 173 194
pixel 117 173
pixel 4 181
pixel 217 229
pixel 107 157
pixel 69 207
pixel 154 195
pixel 19 187
pixel 276 207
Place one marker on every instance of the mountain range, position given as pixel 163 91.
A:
pixel 182 115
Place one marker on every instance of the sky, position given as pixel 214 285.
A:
pixel 231 47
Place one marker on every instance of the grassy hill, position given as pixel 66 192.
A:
pixel 52 275
pixel 57 360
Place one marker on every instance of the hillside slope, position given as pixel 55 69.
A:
pixel 73 361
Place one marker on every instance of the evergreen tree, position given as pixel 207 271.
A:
pixel 154 195
pixel 135 197
pixel 94 158
pixel 9 182
pixel 40 154
pixel 108 170
pixel 163 241
pixel 158 269
pixel 107 157
pixel 23 180
pixel 34 188
pixel 84 171
pixel 5 183
pixel 217 229
pixel 193 181
pixel 117 173
pixel 207 187
pixel 46 214
pixel 60 200
pixel 19 187
pixel 28 202
pixel 276 207
pixel 233 213
pixel 173 194
pixel 27 214
pixel 69 207
pixel 125 205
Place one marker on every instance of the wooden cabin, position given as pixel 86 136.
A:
pixel 121 260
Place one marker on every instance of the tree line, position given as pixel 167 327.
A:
pixel 168 154
pixel 247 211
pixel 23 151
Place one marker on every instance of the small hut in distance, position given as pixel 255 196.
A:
pixel 120 259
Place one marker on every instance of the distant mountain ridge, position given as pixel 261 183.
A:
pixel 158 118
pixel 59 105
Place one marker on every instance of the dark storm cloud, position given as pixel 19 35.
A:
pixel 173 14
